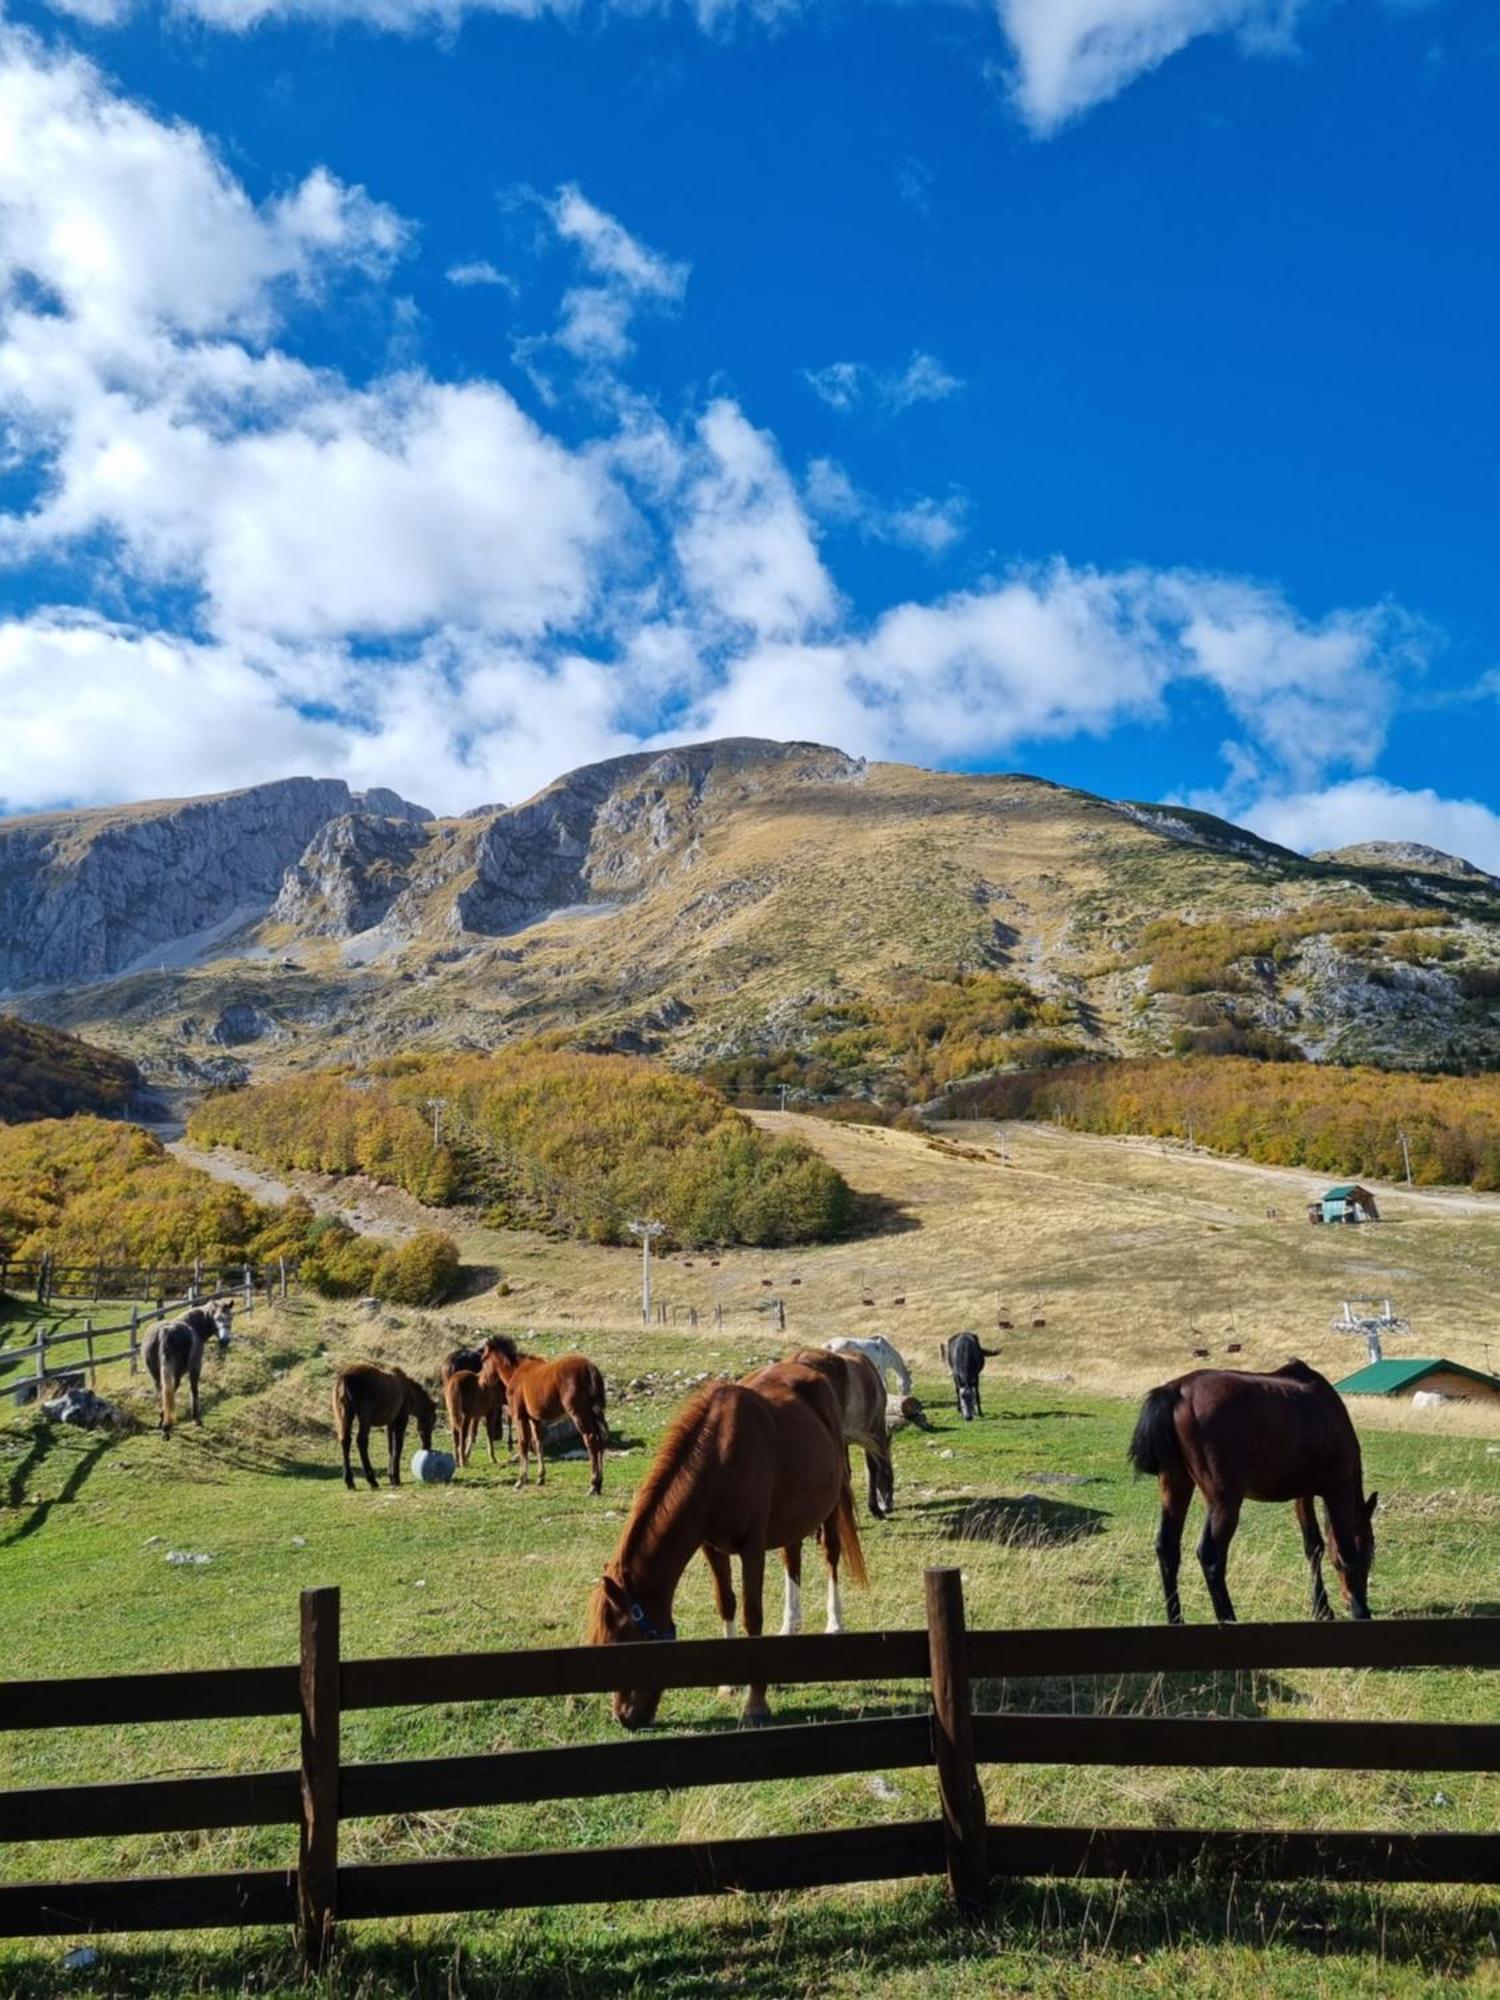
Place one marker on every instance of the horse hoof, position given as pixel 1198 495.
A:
pixel 756 1718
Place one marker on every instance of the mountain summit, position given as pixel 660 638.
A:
pixel 733 902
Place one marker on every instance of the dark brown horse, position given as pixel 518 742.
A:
pixel 746 1467
pixel 366 1397
pixel 860 1389
pixel 174 1349
pixel 1238 1437
pixel 540 1392
pixel 473 1399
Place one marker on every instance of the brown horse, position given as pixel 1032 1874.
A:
pixel 474 1399
pixel 1237 1437
pixel 387 1398
pixel 175 1349
pixel 471 1358
pixel 860 1388
pixel 746 1467
pixel 540 1392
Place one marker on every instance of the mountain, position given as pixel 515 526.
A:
pixel 777 910
pixel 87 894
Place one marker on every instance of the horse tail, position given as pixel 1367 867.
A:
pixel 870 1441
pixel 596 1393
pixel 850 1552
pixel 1155 1446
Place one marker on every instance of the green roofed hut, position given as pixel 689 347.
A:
pixel 1422 1381
pixel 1349 1202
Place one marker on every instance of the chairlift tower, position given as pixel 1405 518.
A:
pixel 1360 1317
pixel 646 1230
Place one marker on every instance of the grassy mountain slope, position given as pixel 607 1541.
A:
pixel 747 899
pixel 46 1074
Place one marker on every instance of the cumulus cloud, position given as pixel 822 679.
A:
pixel 1371 809
pixel 409 581
pixel 1070 55
pixel 852 385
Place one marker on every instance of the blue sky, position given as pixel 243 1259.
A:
pixel 443 397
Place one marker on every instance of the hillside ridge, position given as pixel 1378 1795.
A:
pixel 783 912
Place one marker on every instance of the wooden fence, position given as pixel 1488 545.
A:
pixel 107 1278
pixel 948 1736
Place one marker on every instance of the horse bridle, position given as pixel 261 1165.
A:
pixel 640 1618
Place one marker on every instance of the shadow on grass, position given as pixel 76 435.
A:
pixel 872 1214
pixel 69 1490
pixel 1026 1521
pixel 1222 1696
pixel 1059 1938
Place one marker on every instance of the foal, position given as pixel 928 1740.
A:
pixel 367 1396
pixel 1238 1437
pixel 472 1399
pixel 540 1392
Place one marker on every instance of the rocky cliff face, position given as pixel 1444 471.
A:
pixel 601 832
pixel 87 894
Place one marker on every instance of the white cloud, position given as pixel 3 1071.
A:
pixel 480 271
pixel 744 546
pixel 850 385
pixel 928 525
pixel 408 581
pixel 128 223
pixel 1371 809
pixel 1071 55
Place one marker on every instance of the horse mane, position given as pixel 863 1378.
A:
pixel 504 1346
pixel 676 1457
pixel 1298 1371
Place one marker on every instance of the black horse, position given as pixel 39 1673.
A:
pixel 174 1349
pixel 965 1358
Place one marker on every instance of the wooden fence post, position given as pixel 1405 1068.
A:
pixel 318 1844
pixel 88 1328
pixel 959 1790
pixel 41 1359
pixel 281 1274
pixel 135 1338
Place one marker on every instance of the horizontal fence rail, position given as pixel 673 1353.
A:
pixel 947 1735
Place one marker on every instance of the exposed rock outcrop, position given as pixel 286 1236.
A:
pixel 1404 854
pixel 87 894
pixel 352 871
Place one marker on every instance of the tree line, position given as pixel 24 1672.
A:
pixel 1330 1120
pixel 584 1143
pixel 91 1190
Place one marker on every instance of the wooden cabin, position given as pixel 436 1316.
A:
pixel 1417 1381
pixel 1349 1202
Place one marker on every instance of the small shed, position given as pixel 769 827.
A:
pixel 1348 1202
pixel 1411 1380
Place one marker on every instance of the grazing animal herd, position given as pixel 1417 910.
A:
pixel 756 1467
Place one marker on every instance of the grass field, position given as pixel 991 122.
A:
pixel 1035 1503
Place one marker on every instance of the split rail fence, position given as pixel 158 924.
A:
pixel 948 1737
pixel 43 1352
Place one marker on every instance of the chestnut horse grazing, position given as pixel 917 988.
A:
pixel 1238 1437
pixel 746 1467
pixel 540 1392
pixel 860 1388
pixel 366 1396
pixel 473 1399
pixel 175 1349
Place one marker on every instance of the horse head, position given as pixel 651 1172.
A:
pixel 500 1356
pixel 423 1409
pixel 618 1617
pixel 1354 1557
pixel 222 1314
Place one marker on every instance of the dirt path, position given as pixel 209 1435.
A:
pixel 376 1210
pixel 1285 1180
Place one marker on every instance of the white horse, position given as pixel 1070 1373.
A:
pixel 876 1349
